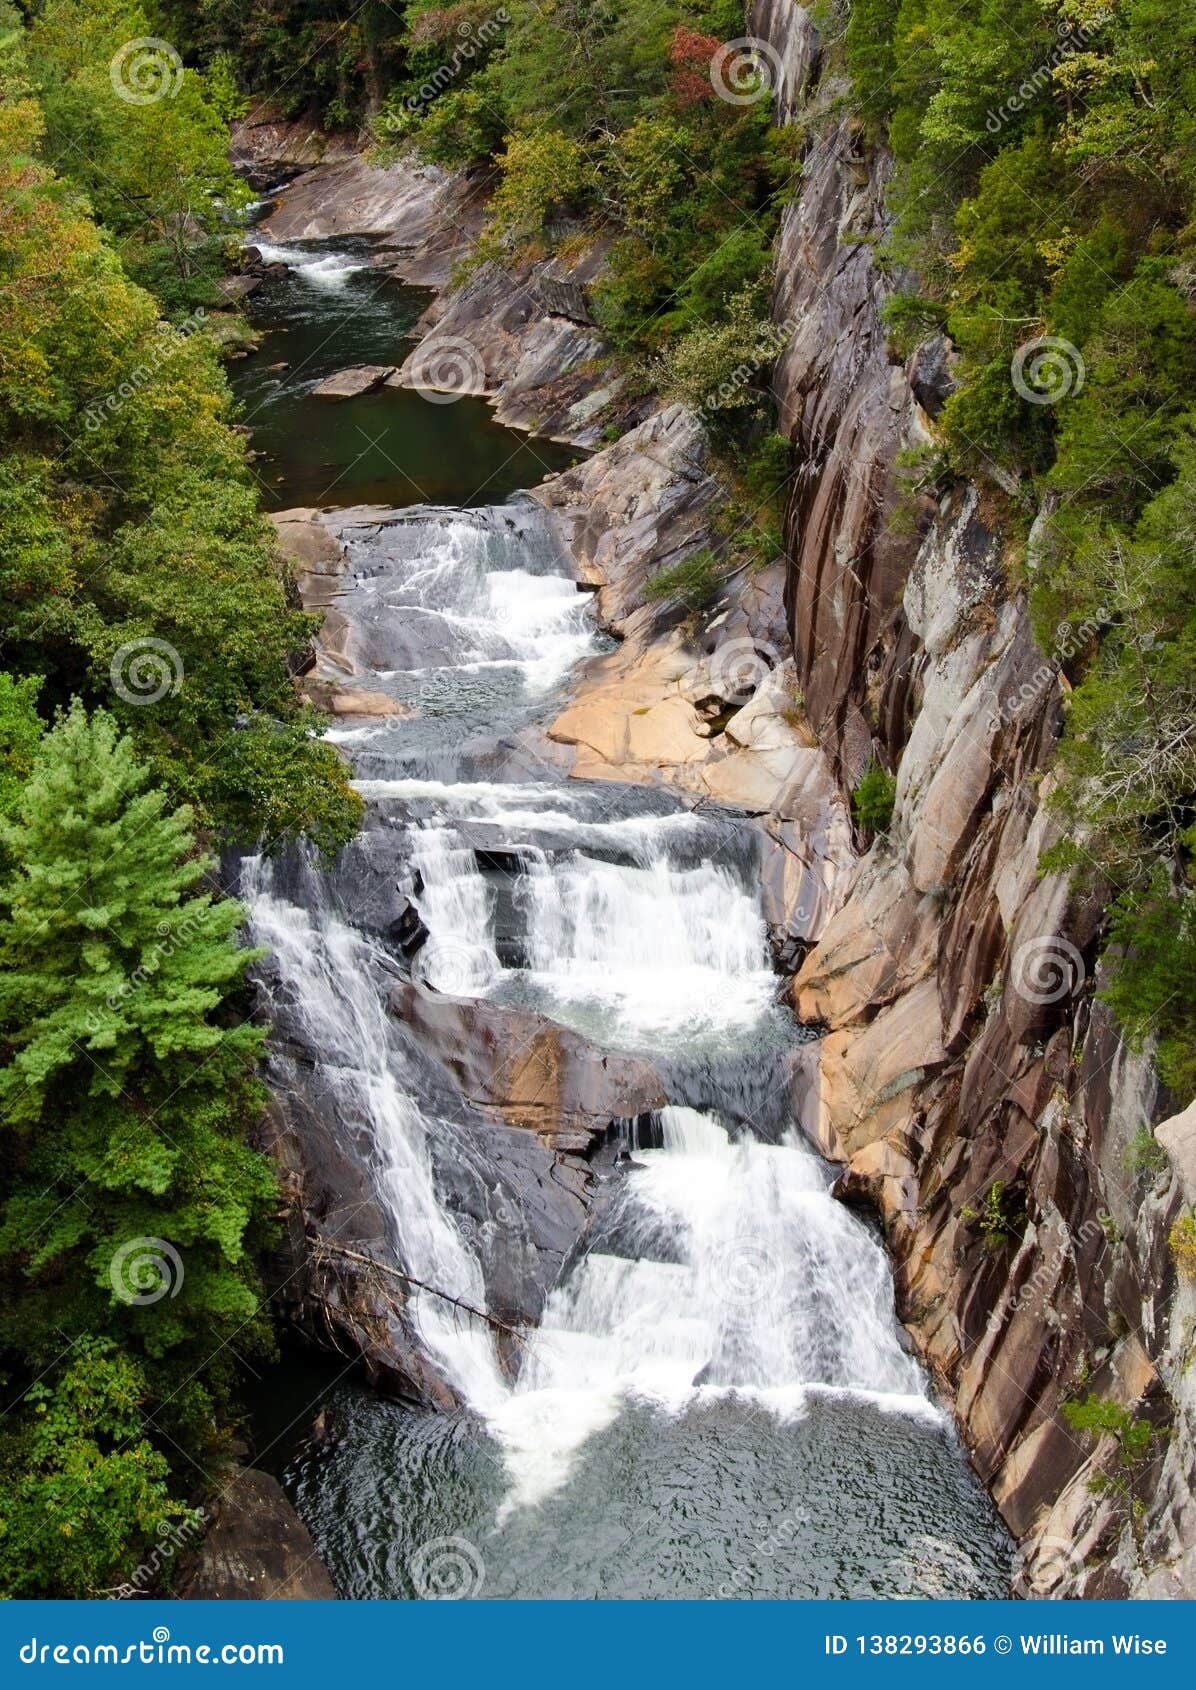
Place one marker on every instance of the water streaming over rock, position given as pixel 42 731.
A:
pixel 715 1279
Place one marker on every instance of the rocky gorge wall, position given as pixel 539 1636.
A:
pixel 966 1062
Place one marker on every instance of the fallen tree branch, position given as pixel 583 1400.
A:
pixel 323 1245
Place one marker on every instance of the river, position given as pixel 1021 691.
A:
pixel 718 1399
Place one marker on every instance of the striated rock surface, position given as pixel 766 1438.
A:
pixel 423 219
pixel 523 339
pixel 266 146
pixel 969 1079
pixel 530 1071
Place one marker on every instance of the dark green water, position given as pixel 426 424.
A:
pixel 721 1501
pixel 332 309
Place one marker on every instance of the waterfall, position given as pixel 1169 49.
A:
pixel 662 950
pixel 719 1276
pixel 330 994
pixel 738 1272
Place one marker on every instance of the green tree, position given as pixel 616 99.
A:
pixel 128 1081
pixel 82 1486
pixel 20 733
pixel 156 170
pixel 128 515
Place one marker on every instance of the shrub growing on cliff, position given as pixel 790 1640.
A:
pixel 1182 1241
pixel 1134 1436
pixel 872 799
pixel 692 582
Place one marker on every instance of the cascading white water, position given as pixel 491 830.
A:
pixel 467 600
pixel 334 979
pixel 457 907
pixel 742 1273
pixel 731 1269
pixel 664 950
pixel 329 270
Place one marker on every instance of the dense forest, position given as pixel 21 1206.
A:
pixel 151 636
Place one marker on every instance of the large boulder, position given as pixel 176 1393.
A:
pixel 257 1549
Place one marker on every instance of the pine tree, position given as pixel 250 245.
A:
pixel 128 1084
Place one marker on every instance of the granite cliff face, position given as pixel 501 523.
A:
pixel 967 1071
